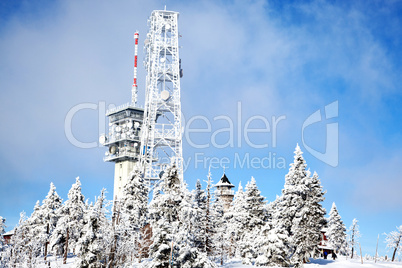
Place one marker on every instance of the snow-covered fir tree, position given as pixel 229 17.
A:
pixel 308 221
pixel 299 211
pixel 27 242
pixel 36 226
pixel 165 209
pixel 236 218
pixel 198 219
pixel 394 241
pixel 336 232
pixel 169 212
pixel 94 244
pixel 20 255
pixel 133 208
pixel 273 242
pixel 354 234
pixel 220 243
pixel 69 227
pixel 193 254
pixel 256 217
pixel 291 200
pixel 209 223
pixel 2 231
pixel 50 205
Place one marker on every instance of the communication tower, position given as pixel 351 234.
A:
pixel 123 140
pixel 161 137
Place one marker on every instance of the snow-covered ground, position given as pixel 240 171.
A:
pixel 330 264
pixel 56 263
pixel 237 264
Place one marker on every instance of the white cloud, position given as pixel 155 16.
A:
pixel 289 62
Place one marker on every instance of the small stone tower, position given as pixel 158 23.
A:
pixel 224 191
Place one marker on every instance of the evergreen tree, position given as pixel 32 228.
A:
pixel 219 242
pixel 191 236
pixel 394 241
pixel 96 236
pixel 19 255
pixel 198 219
pixel 273 242
pixel 308 221
pixel 256 217
pixel 236 217
pixel 2 231
pixel 69 227
pixel 49 208
pixel 291 200
pixel 209 215
pixel 165 208
pixel 35 225
pixel 26 241
pixel 299 210
pixel 4 250
pixel 354 235
pixel 336 231
pixel 316 214
pixel 133 216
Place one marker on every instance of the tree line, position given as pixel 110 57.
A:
pixel 182 228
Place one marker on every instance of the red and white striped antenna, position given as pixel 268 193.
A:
pixel 134 89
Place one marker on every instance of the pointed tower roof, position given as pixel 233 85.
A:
pixel 224 181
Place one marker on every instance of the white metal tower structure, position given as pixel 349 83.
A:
pixel 123 139
pixel 161 133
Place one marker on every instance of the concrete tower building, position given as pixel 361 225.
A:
pixel 124 137
pixel 150 139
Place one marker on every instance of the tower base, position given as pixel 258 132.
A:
pixel 121 172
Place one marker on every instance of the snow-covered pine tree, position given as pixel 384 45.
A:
pixel 317 221
pixel 71 221
pixel 308 221
pixel 299 211
pixel 191 253
pixel 93 245
pixel 336 232
pixel 256 217
pixel 198 217
pixel 165 221
pixel 4 253
pixel 273 242
pixel 50 205
pixel 26 244
pixel 19 255
pixel 2 231
pixel 236 218
pixel 354 234
pixel 291 199
pixel 169 210
pixel 394 241
pixel 219 243
pixel 209 231
pixel 36 226
pixel 133 217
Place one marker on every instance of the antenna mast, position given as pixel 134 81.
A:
pixel 134 89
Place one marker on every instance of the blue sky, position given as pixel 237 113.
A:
pixel 273 58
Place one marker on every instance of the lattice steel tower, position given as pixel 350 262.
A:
pixel 161 133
